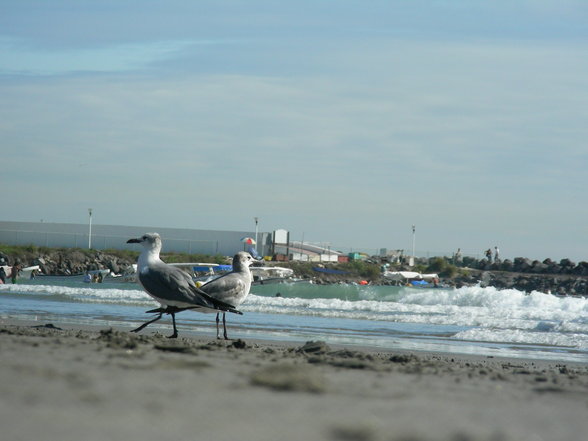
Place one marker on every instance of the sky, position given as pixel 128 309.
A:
pixel 344 122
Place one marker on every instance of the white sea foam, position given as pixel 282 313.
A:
pixel 90 295
pixel 480 314
pixel 577 341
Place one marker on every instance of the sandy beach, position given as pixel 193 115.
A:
pixel 73 383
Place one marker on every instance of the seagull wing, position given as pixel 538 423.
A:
pixel 230 288
pixel 171 284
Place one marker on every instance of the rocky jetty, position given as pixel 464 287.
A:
pixel 69 261
pixel 564 277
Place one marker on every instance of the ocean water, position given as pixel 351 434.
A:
pixel 469 320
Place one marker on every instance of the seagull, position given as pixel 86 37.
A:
pixel 231 288
pixel 175 290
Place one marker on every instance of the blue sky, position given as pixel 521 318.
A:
pixel 345 122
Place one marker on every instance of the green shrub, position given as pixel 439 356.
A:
pixel 361 268
pixel 442 267
pixel 193 258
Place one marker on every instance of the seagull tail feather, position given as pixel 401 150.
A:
pixel 218 304
pixel 223 306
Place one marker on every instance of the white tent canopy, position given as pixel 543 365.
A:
pixel 408 275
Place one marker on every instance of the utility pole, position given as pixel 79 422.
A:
pixel 413 240
pixel 301 245
pixel 256 222
pixel 90 230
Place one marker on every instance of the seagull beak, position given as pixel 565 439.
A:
pixel 134 241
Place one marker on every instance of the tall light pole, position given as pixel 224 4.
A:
pixel 256 222
pixel 90 230
pixel 301 245
pixel 413 240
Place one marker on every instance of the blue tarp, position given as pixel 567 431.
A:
pixel 215 268
pixel 419 282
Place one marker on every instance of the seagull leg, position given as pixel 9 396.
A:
pixel 225 326
pixel 148 323
pixel 175 334
pixel 217 329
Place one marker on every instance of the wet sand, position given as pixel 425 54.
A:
pixel 75 383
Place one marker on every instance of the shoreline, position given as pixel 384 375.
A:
pixel 208 335
pixel 82 382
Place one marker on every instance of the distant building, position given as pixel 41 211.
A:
pixel 213 242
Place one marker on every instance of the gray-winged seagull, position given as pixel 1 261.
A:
pixel 231 288
pixel 175 290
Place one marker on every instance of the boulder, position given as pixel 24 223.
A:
pixel 506 265
pixel 538 267
pixel 566 265
pixel 522 264
pixel 581 269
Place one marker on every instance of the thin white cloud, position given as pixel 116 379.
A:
pixel 19 58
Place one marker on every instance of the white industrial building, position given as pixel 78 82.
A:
pixel 179 240
pixel 102 237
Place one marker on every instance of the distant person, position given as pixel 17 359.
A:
pixel 496 254
pixel 2 275
pixel 254 253
pixel 15 272
pixel 457 257
pixel 489 254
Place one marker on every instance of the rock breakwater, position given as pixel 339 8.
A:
pixel 69 261
pixel 564 277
